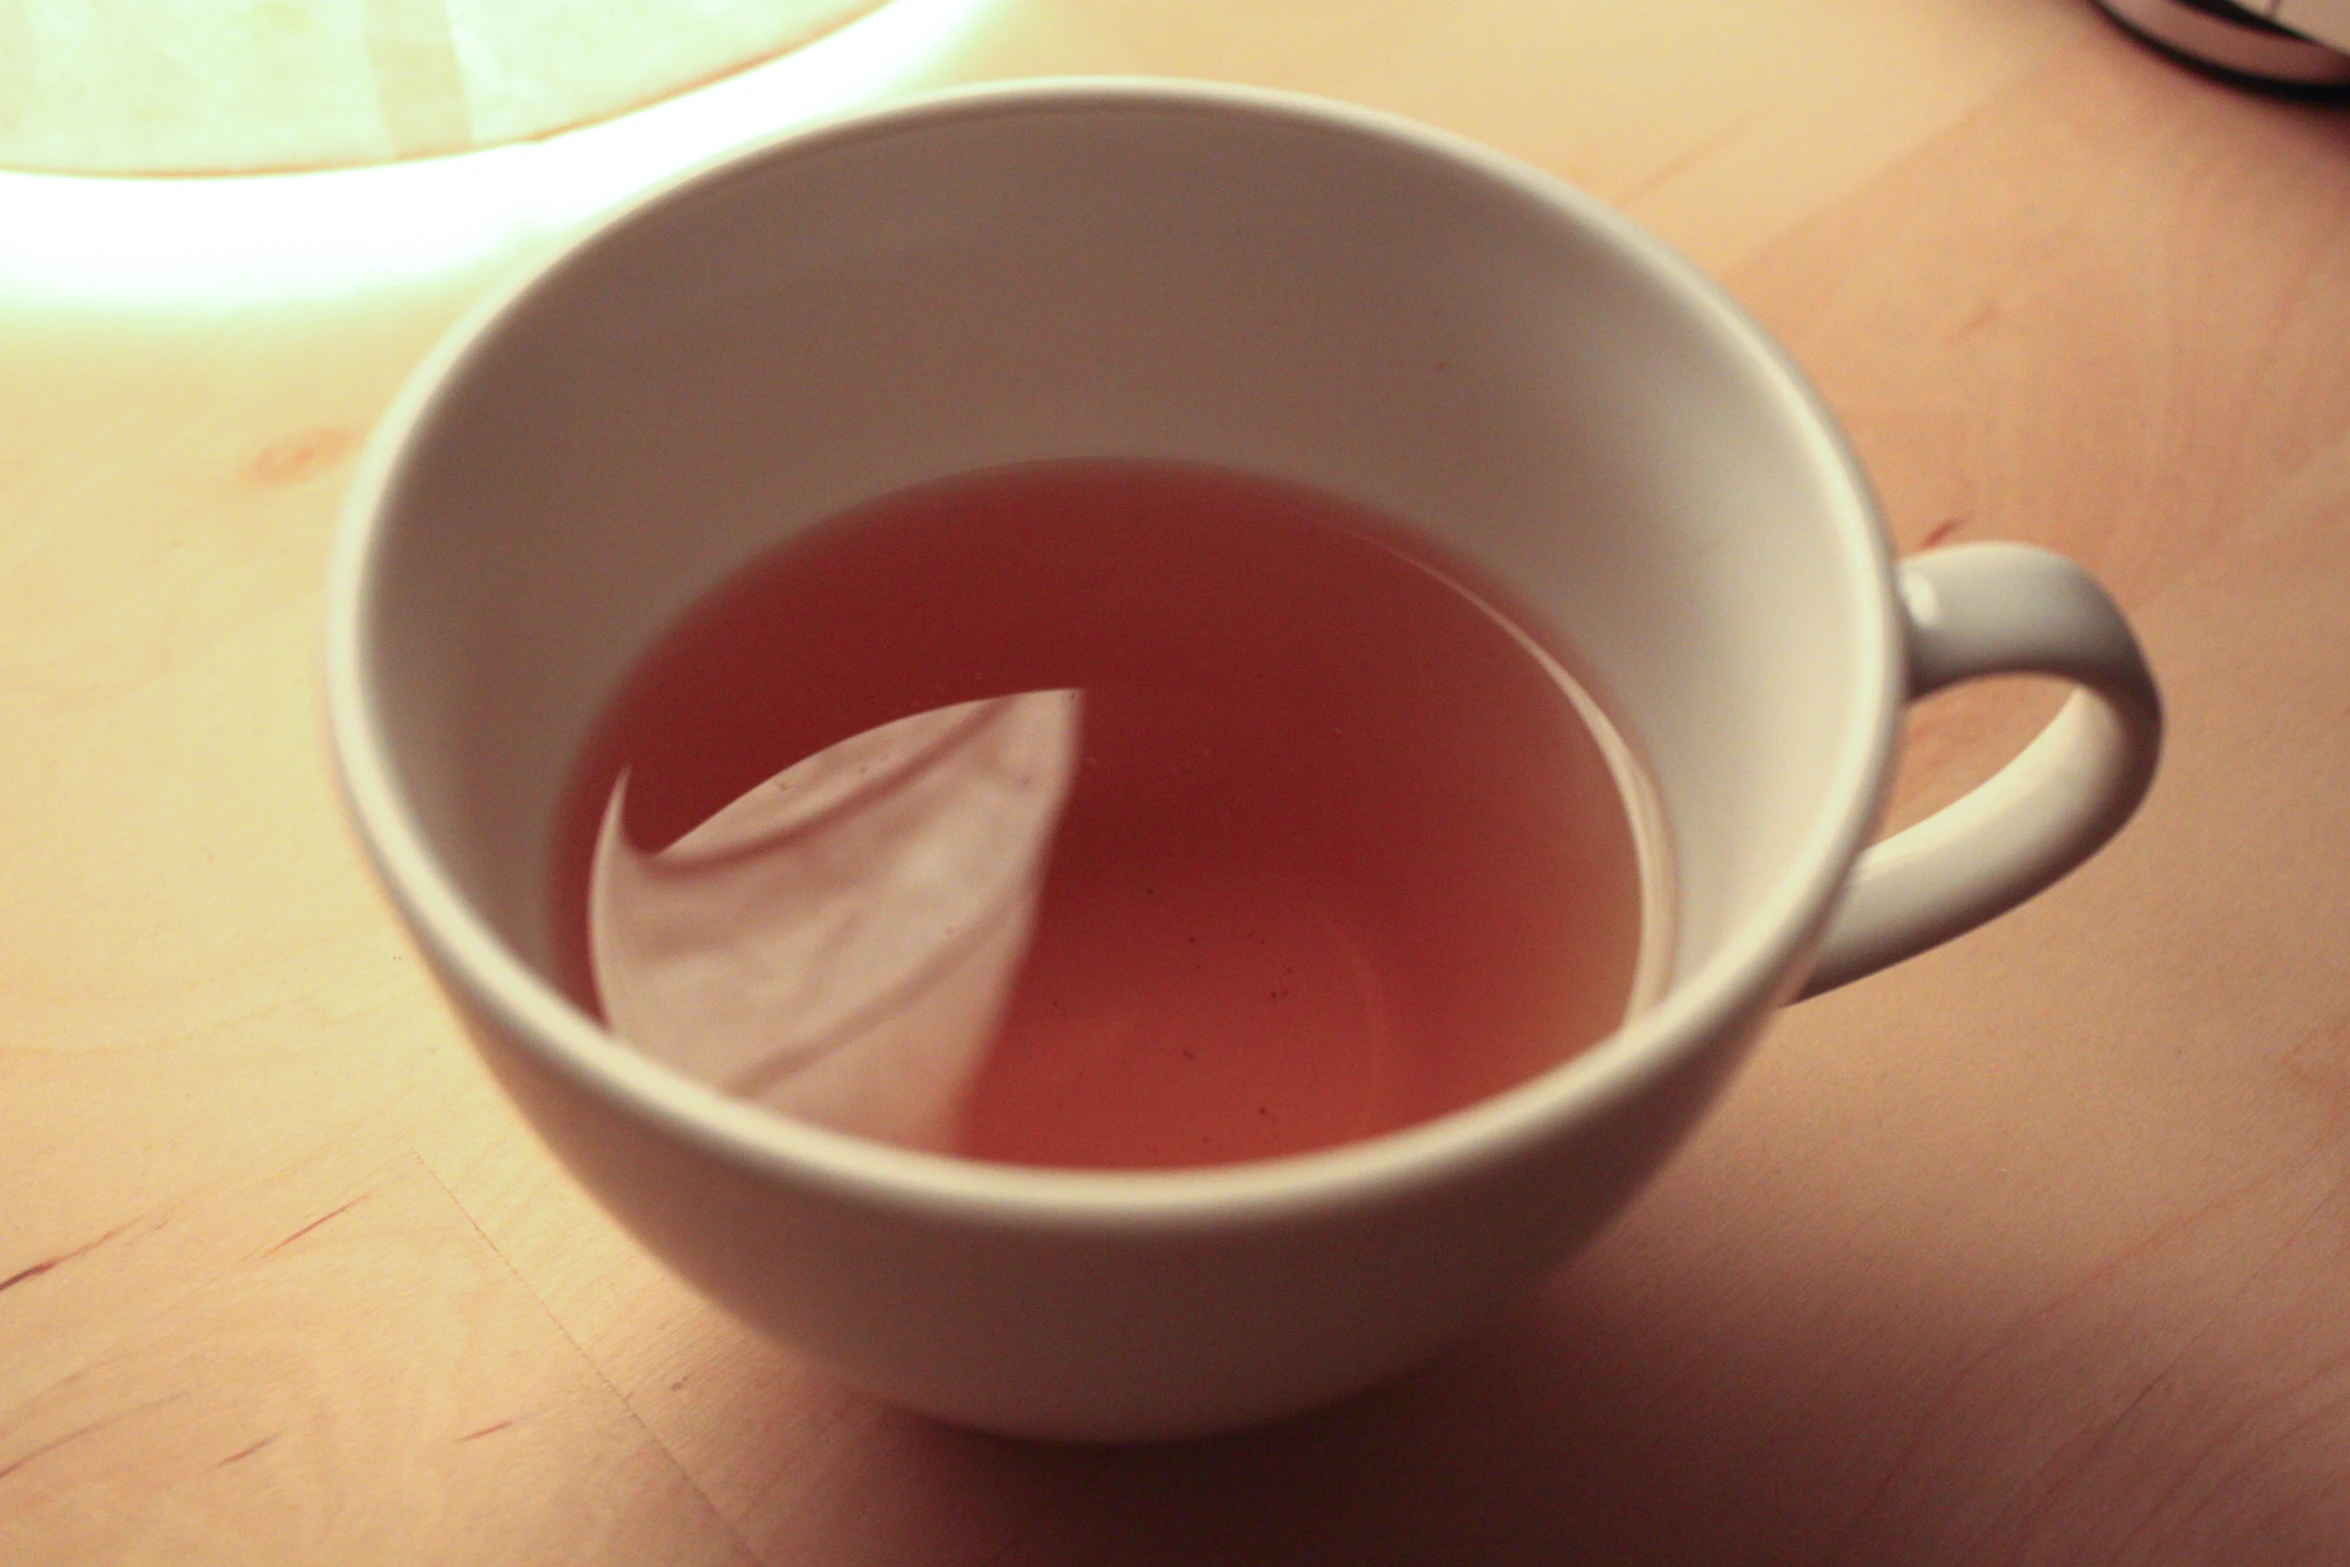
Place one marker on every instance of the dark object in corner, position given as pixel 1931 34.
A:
pixel 2236 44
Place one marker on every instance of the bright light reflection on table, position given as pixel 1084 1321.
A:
pixel 232 240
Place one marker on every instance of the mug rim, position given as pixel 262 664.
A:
pixel 1757 964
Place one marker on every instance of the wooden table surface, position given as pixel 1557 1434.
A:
pixel 2034 1250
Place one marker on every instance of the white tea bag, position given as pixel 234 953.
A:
pixel 838 943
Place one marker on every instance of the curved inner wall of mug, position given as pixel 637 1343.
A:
pixel 1652 841
pixel 1269 294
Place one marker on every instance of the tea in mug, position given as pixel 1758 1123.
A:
pixel 1106 814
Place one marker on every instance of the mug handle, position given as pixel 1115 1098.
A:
pixel 2003 609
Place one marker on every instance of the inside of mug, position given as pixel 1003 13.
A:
pixel 1102 274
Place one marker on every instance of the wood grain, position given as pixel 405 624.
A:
pixel 2031 1250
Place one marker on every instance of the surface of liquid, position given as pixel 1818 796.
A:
pixel 1324 844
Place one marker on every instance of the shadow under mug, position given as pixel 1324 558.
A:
pixel 1272 284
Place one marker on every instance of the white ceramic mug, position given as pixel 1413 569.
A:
pixel 1272 284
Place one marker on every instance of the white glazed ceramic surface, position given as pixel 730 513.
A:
pixel 1235 277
